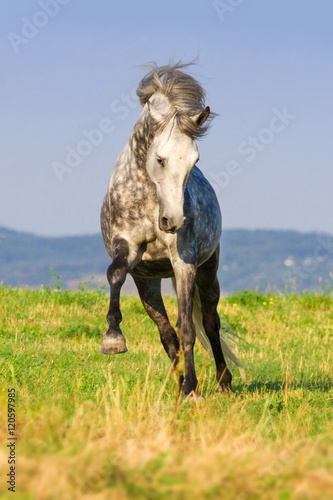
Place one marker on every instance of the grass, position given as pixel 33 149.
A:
pixel 110 427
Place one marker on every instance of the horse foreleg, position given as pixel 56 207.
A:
pixel 185 288
pixel 114 341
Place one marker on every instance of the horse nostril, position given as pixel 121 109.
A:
pixel 166 225
pixel 165 222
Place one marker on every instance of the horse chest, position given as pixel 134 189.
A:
pixel 132 209
pixel 156 250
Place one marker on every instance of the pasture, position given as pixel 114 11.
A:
pixel 91 426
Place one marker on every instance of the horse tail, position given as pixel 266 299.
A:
pixel 227 336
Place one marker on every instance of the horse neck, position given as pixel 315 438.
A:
pixel 141 140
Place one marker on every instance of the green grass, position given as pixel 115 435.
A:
pixel 98 427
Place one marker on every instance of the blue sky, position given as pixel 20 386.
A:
pixel 69 68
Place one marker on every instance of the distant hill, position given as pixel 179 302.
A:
pixel 276 260
pixel 261 259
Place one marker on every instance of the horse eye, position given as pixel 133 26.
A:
pixel 160 161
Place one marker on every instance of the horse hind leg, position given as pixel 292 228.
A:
pixel 209 293
pixel 151 298
pixel 114 341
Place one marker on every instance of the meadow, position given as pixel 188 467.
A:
pixel 97 427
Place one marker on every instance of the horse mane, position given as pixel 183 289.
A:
pixel 186 96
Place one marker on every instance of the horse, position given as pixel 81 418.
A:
pixel 160 218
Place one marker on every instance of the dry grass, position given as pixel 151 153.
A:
pixel 93 427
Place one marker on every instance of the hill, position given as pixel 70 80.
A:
pixel 261 259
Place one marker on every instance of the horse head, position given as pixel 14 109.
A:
pixel 170 160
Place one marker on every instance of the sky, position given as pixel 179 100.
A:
pixel 68 75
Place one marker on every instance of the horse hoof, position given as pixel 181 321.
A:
pixel 225 390
pixel 113 345
pixel 193 396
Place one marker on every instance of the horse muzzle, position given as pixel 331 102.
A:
pixel 170 225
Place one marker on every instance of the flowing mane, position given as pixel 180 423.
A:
pixel 185 95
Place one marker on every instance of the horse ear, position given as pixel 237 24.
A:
pixel 200 118
pixel 156 116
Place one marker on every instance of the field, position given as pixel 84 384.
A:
pixel 99 427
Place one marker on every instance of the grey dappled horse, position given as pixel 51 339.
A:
pixel 160 218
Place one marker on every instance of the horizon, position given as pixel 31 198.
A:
pixel 98 233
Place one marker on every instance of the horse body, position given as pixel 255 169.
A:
pixel 160 218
